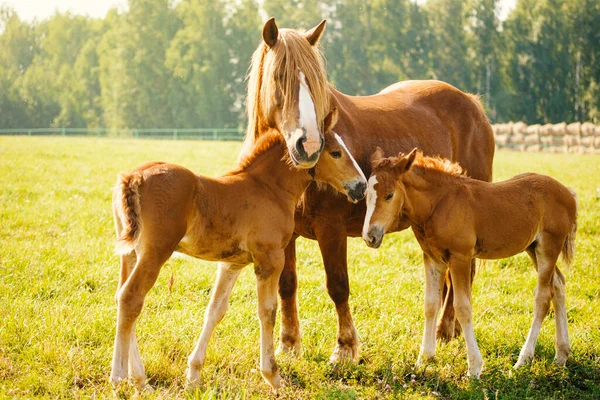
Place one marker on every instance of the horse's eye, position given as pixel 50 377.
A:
pixel 336 154
pixel 389 196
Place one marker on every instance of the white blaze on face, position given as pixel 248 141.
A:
pixel 371 200
pixel 308 119
pixel 340 141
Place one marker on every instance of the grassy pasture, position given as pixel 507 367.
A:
pixel 58 275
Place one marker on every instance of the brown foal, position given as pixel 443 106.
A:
pixel 245 216
pixel 456 218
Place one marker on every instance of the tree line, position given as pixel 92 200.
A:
pixel 182 64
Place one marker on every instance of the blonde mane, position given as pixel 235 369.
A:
pixel 291 54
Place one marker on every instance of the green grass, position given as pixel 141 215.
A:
pixel 59 274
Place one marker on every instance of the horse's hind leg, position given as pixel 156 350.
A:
pixel 447 328
pixel 130 300
pixel 135 365
pixel 219 302
pixel 563 348
pixel 547 251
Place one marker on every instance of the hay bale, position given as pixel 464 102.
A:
pixel 531 129
pixel 535 147
pixel 572 140
pixel 559 129
pixel 516 139
pixel 502 140
pixel 597 130
pixel 597 142
pixel 545 130
pixel 587 141
pixel 531 139
pixel 519 128
pixel 574 128
pixel 587 129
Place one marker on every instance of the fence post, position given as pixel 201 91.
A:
pixel 174 134
pixel 215 134
pixel 29 132
pixel 64 132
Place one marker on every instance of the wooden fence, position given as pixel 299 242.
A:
pixel 558 138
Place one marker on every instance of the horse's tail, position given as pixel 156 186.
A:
pixel 568 251
pixel 126 208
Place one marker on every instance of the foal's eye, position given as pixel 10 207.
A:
pixel 389 196
pixel 336 154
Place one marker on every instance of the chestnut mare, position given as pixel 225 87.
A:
pixel 246 216
pixel 288 91
pixel 456 219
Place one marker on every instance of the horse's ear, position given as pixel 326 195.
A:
pixel 330 120
pixel 270 32
pixel 376 157
pixel 315 33
pixel 410 158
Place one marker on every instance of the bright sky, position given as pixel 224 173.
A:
pixel 42 9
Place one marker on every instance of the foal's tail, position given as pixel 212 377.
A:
pixel 568 251
pixel 126 207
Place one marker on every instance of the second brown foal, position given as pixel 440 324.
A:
pixel 456 218
pixel 245 216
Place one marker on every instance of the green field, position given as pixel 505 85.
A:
pixel 59 274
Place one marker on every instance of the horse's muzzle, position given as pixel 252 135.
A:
pixel 303 153
pixel 374 237
pixel 356 190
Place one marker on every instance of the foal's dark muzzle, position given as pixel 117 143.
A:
pixel 374 237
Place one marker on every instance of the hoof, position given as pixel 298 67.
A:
pixel 344 353
pixel 423 359
pixel 562 357
pixel 523 360
pixel 273 379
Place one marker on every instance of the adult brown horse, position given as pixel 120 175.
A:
pixel 288 90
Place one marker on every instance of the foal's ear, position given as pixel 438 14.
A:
pixel 376 157
pixel 410 158
pixel 315 33
pixel 330 120
pixel 270 32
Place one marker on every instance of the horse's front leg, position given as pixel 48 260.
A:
pixel 331 237
pixel 219 302
pixel 267 268
pixel 289 333
pixel 434 283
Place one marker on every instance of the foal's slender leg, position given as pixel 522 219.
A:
pixel 447 328
pixel 460 269
pixel 268 269
pixel 130 300
pixel 434 282
pixel 289 331
pixel 219 302
pixel 563 348
pixel 546 252
pixel 135 365
pixel 331 236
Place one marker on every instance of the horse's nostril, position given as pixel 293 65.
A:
pixel 300 145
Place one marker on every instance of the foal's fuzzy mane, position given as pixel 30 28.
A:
pixel 429 163
pixel 264 143
pixel 290 54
